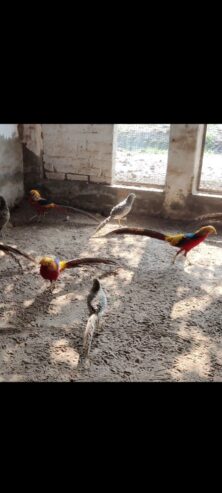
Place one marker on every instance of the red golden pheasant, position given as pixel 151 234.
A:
pixel 184 241
pixel 42 206
pixel 51 268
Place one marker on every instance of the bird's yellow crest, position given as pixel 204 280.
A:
pixel 207 230
pixel 35 194
pixel 49 262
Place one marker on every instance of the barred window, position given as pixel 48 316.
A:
pixel 211 169
pixel 140 154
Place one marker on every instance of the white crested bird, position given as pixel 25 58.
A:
pixel 119 211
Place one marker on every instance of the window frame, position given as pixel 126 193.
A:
pixel 134 184
pixel 199 188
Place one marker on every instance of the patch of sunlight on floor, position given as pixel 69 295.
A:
pixel 200 270
pixel 5 357
pixel 9 288
pixel 197 362
pixel 117 249
pixel 193 333
pixel 13 378
pixel 182 291
pixel 28 303
pixel 216 290
pixel 186 306
pixel 16 378
pixel 62 353
pixel 7 316
pixel 58 303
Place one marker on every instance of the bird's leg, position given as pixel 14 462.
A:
pixel 33 217
pixel 40 216
pixel 52 285
pixel 119 221
pixel 176 256
pixel 185 255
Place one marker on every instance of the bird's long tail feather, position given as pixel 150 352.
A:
pixel 138 231
pixel 92 325
pixel 16 251
pixel 87 261
pixel 103 223
pixel 43 204
pixel 67 208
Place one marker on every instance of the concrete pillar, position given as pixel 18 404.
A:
pixel 11 164
pixel 185 149
pixel 32 141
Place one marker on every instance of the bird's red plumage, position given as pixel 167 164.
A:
pixel 189 243
pixel 50 275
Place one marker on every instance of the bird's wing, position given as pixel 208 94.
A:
pixel 46 203
pixel 9 249
pixel 117 209
pixel 97 301
pixel 175 240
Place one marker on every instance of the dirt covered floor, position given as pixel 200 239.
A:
pixel 163 321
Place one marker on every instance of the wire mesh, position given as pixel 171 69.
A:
pixel 141 153
pixel 211 171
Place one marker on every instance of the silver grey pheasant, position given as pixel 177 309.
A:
pixel 97 303
pixel 119 211
pixel 4 214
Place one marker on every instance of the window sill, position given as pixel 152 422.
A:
pixel 208 193
pixel 135 187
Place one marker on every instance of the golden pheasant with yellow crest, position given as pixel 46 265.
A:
pixel 184 241
pixel 43 205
